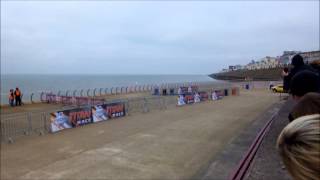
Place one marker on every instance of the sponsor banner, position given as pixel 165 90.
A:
pixel 59 121
pixel 197 98
pixel 192 98
pixel 216 95
pixel 115 110
pixel 108 111
pixel 53 98
pixel 189 98
pixel 204 96
pixel 186 90
pixel 82 116
pixel 99 113
pixel 181 101
pixel 49 98
pixel 70 118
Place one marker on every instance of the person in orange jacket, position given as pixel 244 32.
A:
pixel 17 94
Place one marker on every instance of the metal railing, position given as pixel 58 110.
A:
pixel 29 123
pixel 33 97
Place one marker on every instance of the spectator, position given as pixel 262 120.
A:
pixel 304 82
pixel 298 65
pixel 308 104
pixel 17 95
pixel 299 147
pixel 11 97
pixel 286 82
pixel 316 65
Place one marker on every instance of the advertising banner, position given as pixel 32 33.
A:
pixel 216 95
pixel 70 118
pixel 81 116
pixel 115 110
pixel 99 113
pixel 108 111
pixel 197 98
pixel 186 90
pixel 59 121
pixel 181 101
pixel 189 98
pixel 204 96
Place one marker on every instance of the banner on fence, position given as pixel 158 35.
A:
pixel 52 98
pixel 116 110
pixel 216 95
pixel 187 99
pixel 196 97
pixel 99 113
pixel 81 116
pixel 185 90
pixel 204 96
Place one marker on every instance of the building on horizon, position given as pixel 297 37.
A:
pixel 286 57
pixel 310 56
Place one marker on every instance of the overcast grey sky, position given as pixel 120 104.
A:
pixel 157 37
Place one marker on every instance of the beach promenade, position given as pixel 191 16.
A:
pixel 172 144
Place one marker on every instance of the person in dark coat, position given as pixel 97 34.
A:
pixel 304 82
pixel 286 82
pixel 298 65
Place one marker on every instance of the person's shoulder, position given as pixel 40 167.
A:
pixel 308 67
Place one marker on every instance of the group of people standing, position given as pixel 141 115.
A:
pixel 299 141
pixel 15 97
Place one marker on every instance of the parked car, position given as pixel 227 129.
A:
pixel 278 89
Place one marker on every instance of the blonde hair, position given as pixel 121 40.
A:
pixel 299 147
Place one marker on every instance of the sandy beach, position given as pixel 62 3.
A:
pixel 171 144
pixel 38 107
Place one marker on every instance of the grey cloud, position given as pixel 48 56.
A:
pixel 150 37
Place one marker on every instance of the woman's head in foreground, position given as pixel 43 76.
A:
pixel 299 147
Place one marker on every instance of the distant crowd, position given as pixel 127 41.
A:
pixel 15 97
pixel 299 141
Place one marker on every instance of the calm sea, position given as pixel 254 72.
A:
pixel 39 83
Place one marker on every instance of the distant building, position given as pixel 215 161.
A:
pixel 232 68
pixel 268 62
pixel 252 65
pixel 225 70
pixel 286 57
pixel 310 56
pixel 273 62
pixel 238 67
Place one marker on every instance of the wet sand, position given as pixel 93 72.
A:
pixel 171 144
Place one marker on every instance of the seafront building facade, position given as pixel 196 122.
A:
pixel 311 56
pixel 273 62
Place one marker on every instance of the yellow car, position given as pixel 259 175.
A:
pixel 277 89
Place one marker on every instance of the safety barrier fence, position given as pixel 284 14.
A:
pixel 29 123
pixel 256 84
pixel 38 123
pixel 34 97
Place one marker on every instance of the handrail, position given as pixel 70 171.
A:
pixel 243 166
